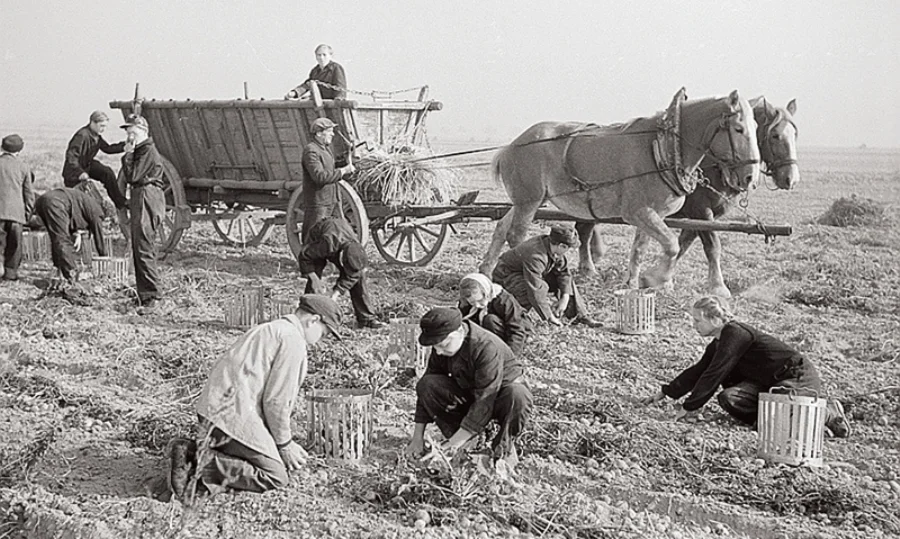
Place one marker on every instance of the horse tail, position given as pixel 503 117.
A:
pixel 495 168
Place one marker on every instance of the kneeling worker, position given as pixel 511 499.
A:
pixel 471 378
pixel 247 402
pixel 490 306
pixel 333 240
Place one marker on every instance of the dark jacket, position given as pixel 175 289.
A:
pixel 333 75
pixel 741 354
pixel 143 166
pixel 16 189
pixel 324 243
pixel 482 366
pixel 84 212
pixel 319 176
pixel 505 307
pixel 82 149
pixel 532 261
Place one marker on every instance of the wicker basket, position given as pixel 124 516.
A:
pixel 404 342
pixel 339 422
pixel 791 428
pixel 245 309
pixel 635 311
pixel 109 267
pixel 35 246
pixel 87 248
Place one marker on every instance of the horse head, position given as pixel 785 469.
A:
pixel 777 134
pixel 729 139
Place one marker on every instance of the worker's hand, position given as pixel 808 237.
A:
pixel 687 416
pixel 293 456
pixel 415 448
pixel 291 95
pixel 653 399
pixel 335 295
pixel 84 176
pixel 554 320
pixel 77 242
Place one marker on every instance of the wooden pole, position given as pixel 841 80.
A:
pixel 317 98
pixel 246 91
pixel 136 103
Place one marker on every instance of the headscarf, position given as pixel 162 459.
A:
pixel 489 289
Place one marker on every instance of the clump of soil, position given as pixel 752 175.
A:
pixel 854 211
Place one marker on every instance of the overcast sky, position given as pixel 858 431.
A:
pixel 498 66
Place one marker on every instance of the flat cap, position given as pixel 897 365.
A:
pixel 321 124
pixel 326 308
pixel 13 143
pixel 564 234
pixel 437 323
pixel 135 120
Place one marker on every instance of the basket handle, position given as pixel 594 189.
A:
pixel 795 391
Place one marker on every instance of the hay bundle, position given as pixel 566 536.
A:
pixel 854 211
pixel 396 178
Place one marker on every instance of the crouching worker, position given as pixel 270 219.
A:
pixel 537 270
pixel 490 306
pixel 746 362
pixel 247 402
pixel 66 211
pixel 333 240
pixel 471 378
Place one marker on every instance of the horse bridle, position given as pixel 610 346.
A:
pixel 725 164
pixel 773 166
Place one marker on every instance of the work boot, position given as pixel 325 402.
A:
pixel 587 321
pixel 182 463
pixel 124 224
pixel 371 323
pixel 836 420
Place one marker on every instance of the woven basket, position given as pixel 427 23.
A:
pixel 404 342
pixel 109 267
pixel 791 428
pixel 35 246
pixel 245 309
pixel 339 422
pixel 635 311
pixel 87 248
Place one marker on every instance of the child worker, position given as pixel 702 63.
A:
pixel 746 362
pixel 490 306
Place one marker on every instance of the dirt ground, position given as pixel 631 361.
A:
pixel 91 392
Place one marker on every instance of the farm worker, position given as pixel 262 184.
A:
pixel 746 362
pixel 321 197
pixel 471 378
pixel 16 203
pixel 66 211
pixel 537 268
pixel 80 164
pixel 332 240
pixel 246 404
pixel 328 73
pixel 487 304
pixel 142 171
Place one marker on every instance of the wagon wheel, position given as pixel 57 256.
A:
pixel 403 241
pixel 177 216
pixel 240 225
pixel 354 212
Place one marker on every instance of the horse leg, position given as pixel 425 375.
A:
pixel 713 247
pixel 497 241
pixel 591 247
pixel 685 240
pixel 638 248
pixel 653 225
pixel 511 229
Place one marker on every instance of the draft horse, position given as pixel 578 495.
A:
pixel 639 171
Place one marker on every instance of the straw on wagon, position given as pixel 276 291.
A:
pixel 397 177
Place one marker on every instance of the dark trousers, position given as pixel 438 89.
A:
pixel 438 396
pixel 105 175
pixel 742 399
pixel 314 214
pixel 236 466
pixel 56 218
pixel 11 248
pixel 148 207
pixel 515 285
pixel 359 295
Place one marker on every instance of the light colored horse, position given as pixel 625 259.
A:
pixel 592 173
pixel 777 138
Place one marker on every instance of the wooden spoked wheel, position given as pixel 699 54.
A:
pixel 178 213
pixel 354 212
pixel 403 241
pixel 241 225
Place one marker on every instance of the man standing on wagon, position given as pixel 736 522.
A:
pixel 16 204
pixel 143 172
pixel 329 75
pixel 80 164
pixel 321 197
pixel 537 268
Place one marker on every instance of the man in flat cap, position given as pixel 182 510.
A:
pixel 16 203
pixel 246 404
pixel 537 270
pixel 80 164
pixel 327 73
pixel 471 378
pixel 321 197
pixel 142 172
pixel 332 240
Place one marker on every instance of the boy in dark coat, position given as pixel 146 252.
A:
pixel 16 203
pixel 80 164
pixel 321 197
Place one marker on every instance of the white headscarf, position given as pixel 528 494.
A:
pixel 489 289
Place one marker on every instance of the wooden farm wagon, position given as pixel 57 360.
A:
pixel 238 163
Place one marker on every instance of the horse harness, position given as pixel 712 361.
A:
pixel 768 126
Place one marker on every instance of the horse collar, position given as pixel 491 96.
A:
pixel 667 149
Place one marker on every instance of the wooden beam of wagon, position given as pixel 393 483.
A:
pixel 280 104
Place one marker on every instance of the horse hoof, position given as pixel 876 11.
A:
pixel 721 291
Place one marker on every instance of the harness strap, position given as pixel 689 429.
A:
pixel 582 185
